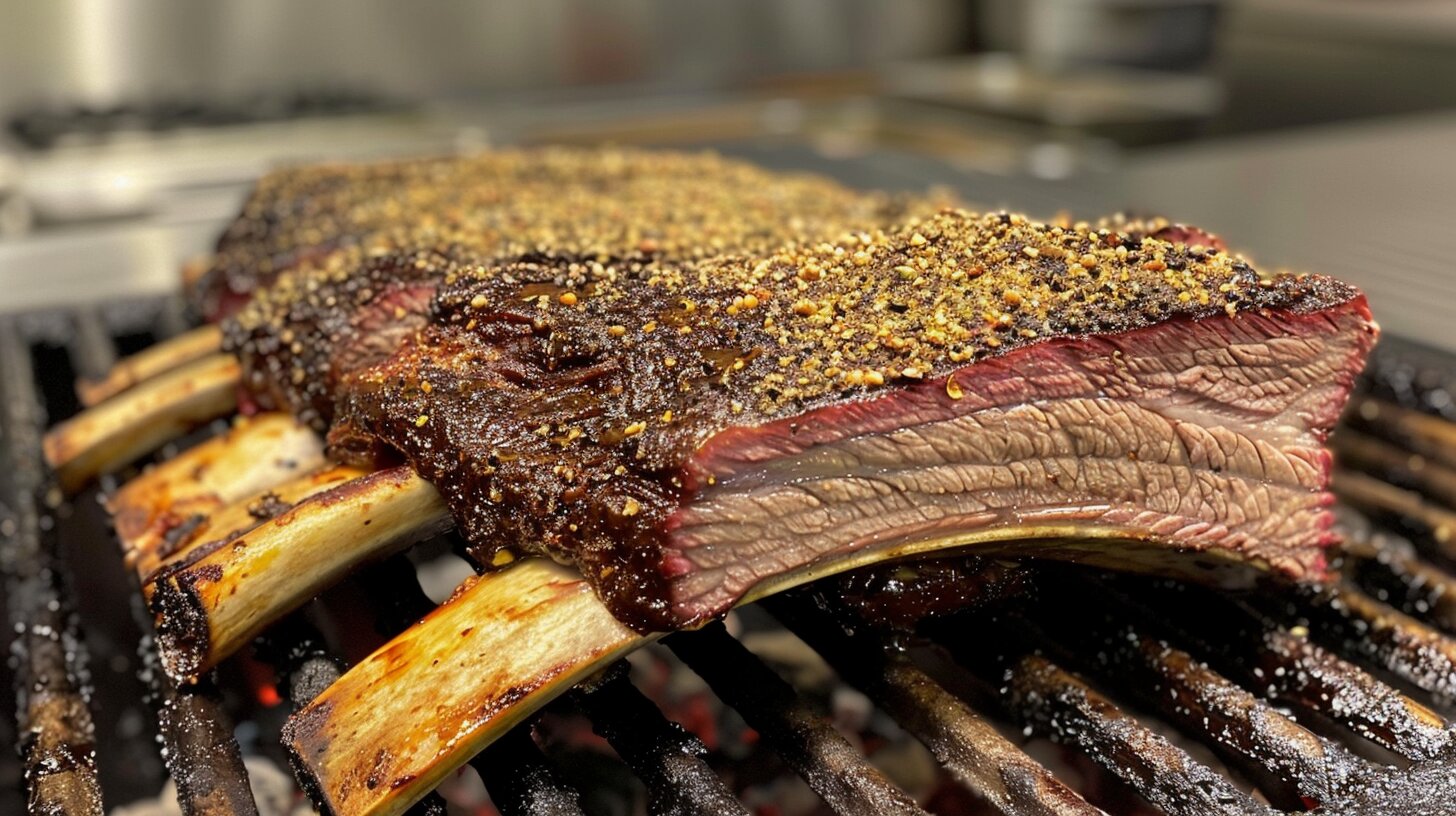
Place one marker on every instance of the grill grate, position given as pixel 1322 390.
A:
pixel 1194 701
pixel 201 753
pixel 822 756
pixel 52 699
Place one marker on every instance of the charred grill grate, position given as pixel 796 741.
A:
pixel 1172 698
pixel 52 714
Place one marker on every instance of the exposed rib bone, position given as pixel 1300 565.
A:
pixel 235 519
pixel 502 647
pixel 254 455
pixel 428 700
pixel 138 421
pixel 215 600
pixel 150 362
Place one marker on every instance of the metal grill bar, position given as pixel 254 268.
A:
pixel 202 755
pixel 1432 524
pixel 1270 659
pixel 1188 694
pixel 1419 433
pixel 172 317
pixel 52 711
pixel 303 662
pixel 1302 673
pixel 1383 460
pixel 1403 645
pixel 521 781
pixel 803 739
pixel 1389 565
pixel 1063 706
pixel 1411 585
pixel 1060 705
pixel 92 352
pixel 964 743
pixel 1412 375
pixel 667 758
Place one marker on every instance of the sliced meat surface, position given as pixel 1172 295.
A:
pixel 1151 437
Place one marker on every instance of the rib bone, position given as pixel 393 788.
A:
pixel 221 595
pixel 428 700
pixel 151 362
pixel 233 520
pixel 503 646
pixel 255 454
pixel 122 430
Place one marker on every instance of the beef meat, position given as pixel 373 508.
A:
pixel 328 216
pixel 363 259
pixel 689 433
pixel 298 215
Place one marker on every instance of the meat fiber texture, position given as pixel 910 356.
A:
pixel 688 432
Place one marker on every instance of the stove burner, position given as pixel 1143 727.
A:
pixel 42 128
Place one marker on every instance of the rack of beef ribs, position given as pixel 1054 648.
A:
pixel 692 384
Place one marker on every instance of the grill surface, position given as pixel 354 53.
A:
pixel 1168 698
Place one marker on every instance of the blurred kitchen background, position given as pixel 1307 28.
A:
pixel 1314 134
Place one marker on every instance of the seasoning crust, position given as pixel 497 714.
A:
pixel 558 403
pixel 338 261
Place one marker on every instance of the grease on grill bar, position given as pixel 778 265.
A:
pixel 201 752
pixel 51 698
pixel 662 753
pixel 848 783
pixel 521 781
pixel 1248 733
pixel 963 741
pixel 1060 703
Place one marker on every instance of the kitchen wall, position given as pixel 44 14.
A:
pixel 103 52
